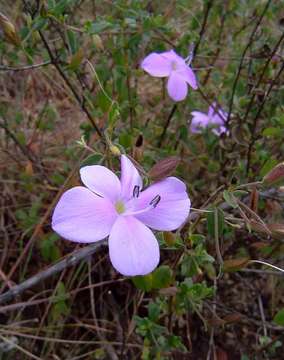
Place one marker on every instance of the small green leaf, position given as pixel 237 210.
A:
pixel 162 277
pixel 230 199
pixel 143 282
pixel 211 221
pixel 94 159
pixel 279 318
pixel 272 132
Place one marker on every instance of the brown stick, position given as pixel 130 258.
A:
pixel 70 260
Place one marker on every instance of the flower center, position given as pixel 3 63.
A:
pixel 174 65
pixel 119 207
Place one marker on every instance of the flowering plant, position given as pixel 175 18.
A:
pixel 124 211
pixel 170 64
pixel 216 118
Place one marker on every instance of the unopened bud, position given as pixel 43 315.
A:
pixel 9 30
pixel 275 177
pixel 114 150
pixel 277 231
pixel 98 42
pixel 169 237
pixel 164 168
pixel 259 227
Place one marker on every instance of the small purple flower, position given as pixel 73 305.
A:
pixel 215 118
pixel 170 64
pixel 120 209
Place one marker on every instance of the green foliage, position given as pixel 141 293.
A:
pixel 60 306
pixel 157 338
pixel 49 249
pixel 160 278
pixel 94 76
pixel 190 296
pixel 194 260
pixel 215 222
pixel 279 318
pixel 29 218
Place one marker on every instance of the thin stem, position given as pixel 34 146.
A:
pixel 174 108
pixel 24 68
pixel 267 264
pixel 81 101
pixel 251 39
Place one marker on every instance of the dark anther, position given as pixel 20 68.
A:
pixel 136 191
pixel 154 202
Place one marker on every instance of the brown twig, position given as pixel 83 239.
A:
pixel 24 68
pixel 80 100
pixel 253 126
pixel 174 108
pixel 70 260
pixel 251 39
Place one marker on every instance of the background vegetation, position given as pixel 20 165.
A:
pixel 72 93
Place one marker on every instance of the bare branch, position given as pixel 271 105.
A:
pixel 24 68
pixel 69 260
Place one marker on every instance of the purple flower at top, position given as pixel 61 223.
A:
pixel 170 64
pixel 215 118
pixel 120 209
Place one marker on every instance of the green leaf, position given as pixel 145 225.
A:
pixel 99 26
pixel 49 249
pixel 154 310
pixel 211 221
pixel 94 159
pixel 272 132
pixel 279 318
pixel 230 199
pixel 196 239
pixel 143 283
pixel 269 165
pixel 159 279
pixel 73 41
pixel 162 277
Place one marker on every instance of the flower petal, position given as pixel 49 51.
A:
pixel 172 56
pixel 216 114
pixel 82 216
pixel 220 130
pixel 156 65
pixel 177 87
pixel 129 178
pixel 199 121
pixel 188 75
pixel 102 181
pixel 133 248
pixel 211 109
pixel 172 209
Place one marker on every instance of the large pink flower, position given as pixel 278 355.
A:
pixel 120 209
pixel 170 64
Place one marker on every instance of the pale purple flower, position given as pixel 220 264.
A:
pixel 215 118
pixel 120 209
pixel 170 64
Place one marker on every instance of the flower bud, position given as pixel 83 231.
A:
pixel 98 42
pixel 164 168
pixel 170 238
pixel 259 227
pixel 114 150
pixel 275 177
pixel 277 231
pixel 9 30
